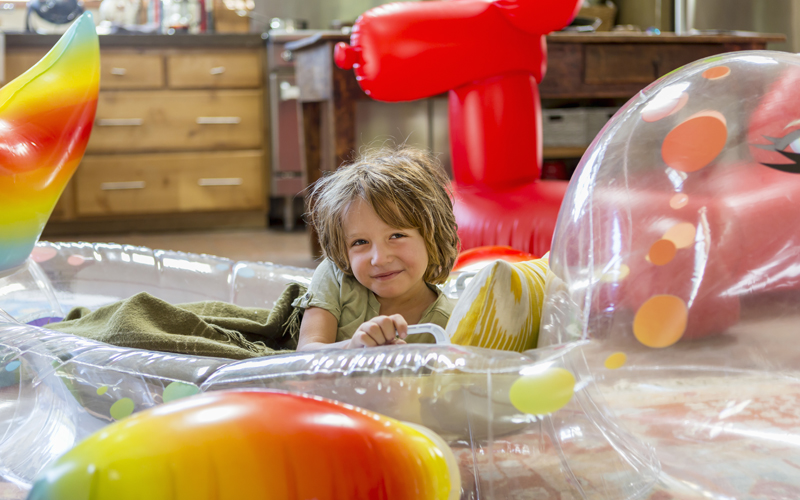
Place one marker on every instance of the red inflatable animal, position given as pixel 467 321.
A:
pixel 491 56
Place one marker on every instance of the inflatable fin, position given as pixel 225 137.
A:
pixel 46 116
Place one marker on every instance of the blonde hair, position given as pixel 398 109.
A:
pixel 405 187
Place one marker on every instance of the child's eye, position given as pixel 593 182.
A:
pixel 358 242
pixel 398 235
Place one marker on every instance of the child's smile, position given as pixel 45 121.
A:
pixel 386 276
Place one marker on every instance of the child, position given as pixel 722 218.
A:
pixel 388 234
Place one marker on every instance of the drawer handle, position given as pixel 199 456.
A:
pixel 122 186
pixel 217 71
pixel 119 71
pixel 218 120
pixel 220 181
pixel 119 122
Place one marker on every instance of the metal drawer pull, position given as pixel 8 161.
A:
pixel 119 71
pixel 220 181
pixel 119 122
pixel 218 120
pixel 217 71
pixel 121 186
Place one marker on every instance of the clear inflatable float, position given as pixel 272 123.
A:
pixel 666 367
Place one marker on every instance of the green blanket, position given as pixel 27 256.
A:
pixel 211 328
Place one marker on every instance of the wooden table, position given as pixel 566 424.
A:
pixel 580 66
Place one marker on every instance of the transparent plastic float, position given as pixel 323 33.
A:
pixel 59 389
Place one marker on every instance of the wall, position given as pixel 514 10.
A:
pixel 766 16
pixel 319 13
pixel 645 13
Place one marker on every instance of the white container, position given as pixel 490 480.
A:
pixel 564 127
pixel 596 119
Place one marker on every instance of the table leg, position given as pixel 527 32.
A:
pixel 311 124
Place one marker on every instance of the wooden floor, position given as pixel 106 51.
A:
pixel 291 248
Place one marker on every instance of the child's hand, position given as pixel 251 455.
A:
pixel 381 330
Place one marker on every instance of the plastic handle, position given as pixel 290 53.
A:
pixel 438 332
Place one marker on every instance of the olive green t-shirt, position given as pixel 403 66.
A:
pixel 353 304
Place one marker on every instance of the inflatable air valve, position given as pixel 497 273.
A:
pixel 46 117
pixel 254 445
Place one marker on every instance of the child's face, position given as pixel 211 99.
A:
pixel 389 261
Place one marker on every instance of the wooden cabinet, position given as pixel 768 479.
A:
pixel 179 131
pixel 175 182
pixel 166 120
pixel 618 65
pixel 122 70
pixel 215 70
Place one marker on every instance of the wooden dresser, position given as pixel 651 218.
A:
pixel 179 139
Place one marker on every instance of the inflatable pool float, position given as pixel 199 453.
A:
pixel 60 389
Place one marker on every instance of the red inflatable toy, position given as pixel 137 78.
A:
pixel 476 258
pixel 405 51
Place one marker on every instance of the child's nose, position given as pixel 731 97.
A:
pixel 380 255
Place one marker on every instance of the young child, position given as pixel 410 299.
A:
pixel 388 235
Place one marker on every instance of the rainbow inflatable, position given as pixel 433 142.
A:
pixel 46 117
pixel 255 444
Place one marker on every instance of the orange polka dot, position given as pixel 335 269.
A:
pixel 43 254
pixel 661 321
pixel 694 143
pixel 662 252
pixel 75 260
pixel 664 106
pixel 615 360
pixel 680 200
pixel 716 72
pixel 682 234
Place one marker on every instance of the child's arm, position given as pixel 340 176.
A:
pixel 318 331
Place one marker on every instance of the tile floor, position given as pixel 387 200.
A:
pixel 291 248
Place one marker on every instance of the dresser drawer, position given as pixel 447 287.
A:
pixel 610 64
pixel 160 183
pixel 120 70
pixel 215 70
pixel 177 120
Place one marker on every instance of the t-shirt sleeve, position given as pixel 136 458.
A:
pixel 324 291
